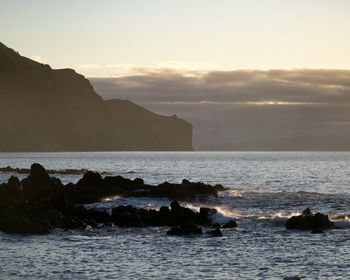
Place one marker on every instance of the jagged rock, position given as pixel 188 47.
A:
pixel 92 188
pixel 309 221
pixel 90 179
pixel 42 203
pixel 129 216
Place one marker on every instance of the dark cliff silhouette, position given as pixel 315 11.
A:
pixel 42 109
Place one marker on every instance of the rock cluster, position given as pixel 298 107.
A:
pixel 92 187
pixel 40 203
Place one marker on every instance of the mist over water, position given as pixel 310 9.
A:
pixel 265 189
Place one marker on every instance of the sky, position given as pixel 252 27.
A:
pixel 116 38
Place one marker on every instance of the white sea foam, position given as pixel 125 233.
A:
pixel 341 221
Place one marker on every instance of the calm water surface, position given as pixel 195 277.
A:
pixel 265 189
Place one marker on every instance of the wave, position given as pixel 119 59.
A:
pixel 222 215
pixel 278 218
pixel 231 193
pixel 341 221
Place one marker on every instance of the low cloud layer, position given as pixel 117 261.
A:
pixel 246 109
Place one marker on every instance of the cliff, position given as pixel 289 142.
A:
pixel 42 109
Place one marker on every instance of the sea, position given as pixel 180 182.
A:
pixel 265 189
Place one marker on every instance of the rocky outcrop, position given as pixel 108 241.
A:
pixel 93 187
pixel 42 109
pixel 176 215
pixel 309 221
pixel 40 203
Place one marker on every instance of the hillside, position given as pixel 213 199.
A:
pixel 42 109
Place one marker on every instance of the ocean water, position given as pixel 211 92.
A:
pixel 265 189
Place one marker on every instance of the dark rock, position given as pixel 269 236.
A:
pixel 14 185
pixel 42 203
pixel 294 277
pixel 307 212
pixel 92 188
pixel 185 191
pixel 19 220
pixel 216 225
pixel 175 206
pixel 220 188
pixel 90 179
pixel 11 191
pixel 230 224
pixel 99 216
pixel 185 229
pixel 317 230
pixel 204 215
pixel 215 233
pixel 127 216
pixel 23 225
pixel 309 221
pixel 38 172
pixel 185 182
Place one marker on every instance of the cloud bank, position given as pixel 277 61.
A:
pixel 246 109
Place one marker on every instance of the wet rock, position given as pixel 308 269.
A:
pixel 39 203
pixel 127 216
pixel 176 215
pixel 309 221
pixel 186 191
pixel 294 277
pixel 220 188
pixel 90 179
pixel 185 229
pixel 99 216
pixel 92 188
pixel 215 233
pixel 17 219
pixel 204 215
pixel 39 186
pixel 230 224
pixel 317 231
pixel 216 225
pixel 175 206
pixel 11 191
pixel 307 212
pixel 23 225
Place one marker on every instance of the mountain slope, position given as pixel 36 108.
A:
pixel 42 109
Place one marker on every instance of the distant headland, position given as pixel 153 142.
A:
pixel 42 109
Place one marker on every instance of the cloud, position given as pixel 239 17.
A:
pixel 159 69
pixel 271 87
pixel 228 108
